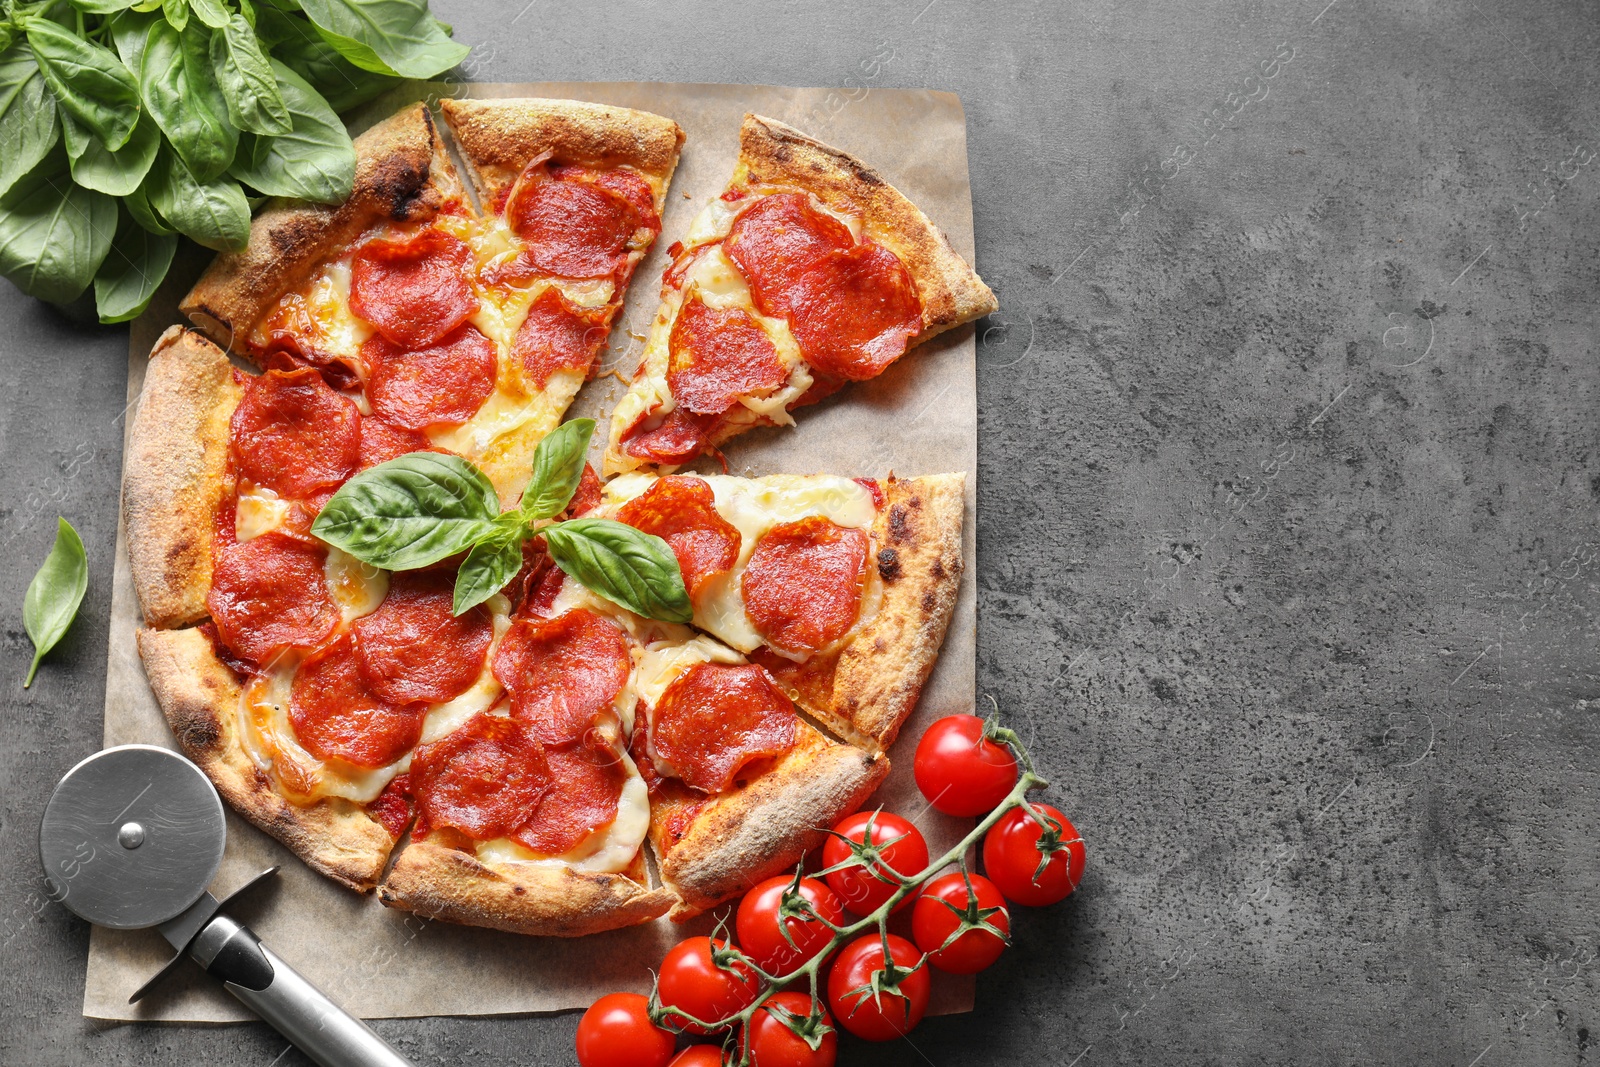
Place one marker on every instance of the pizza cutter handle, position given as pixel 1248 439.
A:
pixel 280 995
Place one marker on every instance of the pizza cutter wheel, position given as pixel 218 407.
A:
pixel 131 838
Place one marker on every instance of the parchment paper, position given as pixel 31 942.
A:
pixel 920 417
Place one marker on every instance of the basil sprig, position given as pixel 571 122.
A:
pixel 426 506
pixel 53 596
pixel 188 112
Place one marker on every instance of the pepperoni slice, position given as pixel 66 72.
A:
pixel 681 511
pixel 853 313
pixel 413 291
pixel 562 673
pixel 412 648
pixel 269 593
pixel 293 434
pixel 639 750
pixel 776 240
pixel 631 186
pixel 559 336
pixel 336 715
pixel 802 587
pixel 573 228
pixel 586 497
pixel 586 786
pixel 382 441
pixel 392 809
pixel 716 717
pixel 681 436
pixel 718 356
pixel 287 352
pixel 484 779
pixel 444 383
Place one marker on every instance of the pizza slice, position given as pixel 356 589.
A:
pixel 808 272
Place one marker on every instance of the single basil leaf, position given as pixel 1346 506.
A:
pixel 624 565
pixel 53 596
pixel 248 10
pixel 53 232
pixel 213 213
pixel 131 272
pixel 89 81
pixel 343 84
pixel 410 512
pixel 181 91
pixel 27 116
pixel 386 36
pixel 248 85
pixel 314 161
pixel 138 205
pixel 113 173
pixel 214 13
pixel 557 469
pixel 128 32
pixel 177 13
pixel 492 563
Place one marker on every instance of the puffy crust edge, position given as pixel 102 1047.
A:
pixel 175 475
pixel 763 828
pixel 497 138
pixel 773 153
pixel 438 882
pixel 199 695
pixel 402 174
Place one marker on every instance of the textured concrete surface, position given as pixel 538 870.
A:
pixel 1290 467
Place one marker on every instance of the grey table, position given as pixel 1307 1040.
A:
pixel 1290 466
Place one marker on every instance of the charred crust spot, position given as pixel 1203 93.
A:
pixel 928 602
pixel 201 733
pixel 889 564
pixel 180 549
pixel 937 570
pixel 898 530
pixel 517 890
pixel 865 176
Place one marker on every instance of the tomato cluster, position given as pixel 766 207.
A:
pixel 877 986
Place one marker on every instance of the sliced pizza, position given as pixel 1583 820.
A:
pixel 808 272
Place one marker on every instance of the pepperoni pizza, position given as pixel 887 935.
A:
pixel 507 766
pixel 808 272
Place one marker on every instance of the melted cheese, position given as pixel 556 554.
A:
pixel 483 693
pixel 610 849
pixel 358 588
pixel 258 511
pixel 328 303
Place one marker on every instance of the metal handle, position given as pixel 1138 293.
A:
pixel 280 995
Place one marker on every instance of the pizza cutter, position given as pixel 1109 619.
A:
pixel 131 838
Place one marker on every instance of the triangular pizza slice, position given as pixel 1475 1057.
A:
pixel 808 272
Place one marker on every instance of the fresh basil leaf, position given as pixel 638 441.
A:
pixel 128 32
pixel 177 13
pixel 386 36
pixel 410 512
pixel 248 10
pixel 54 233
pixel 492 563
pixel 213 213
pixel 343 84
pixel 138 205
pixel 181 91
pixel 114 173
pixel 101 7
pixel 248 85
pixel 89 81
pixel 214 13
pixel 144 6
pixel 131 272
pixel 53 596
pixel 622 564
pixel 27 116
pixel 557 470
pixel 314 161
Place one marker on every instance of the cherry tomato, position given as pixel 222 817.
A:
pixel 897 1010
pixel 761 935
pixel 616 1031
pixel 932 923
pixel 1015 848
pixel 692 982
pixel 773 1044
pixel 898 843
pixel 698 1056
pixel 961 771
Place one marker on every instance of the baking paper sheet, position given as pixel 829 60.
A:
pixel 919 417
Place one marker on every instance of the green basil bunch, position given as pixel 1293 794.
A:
pixel 125 123
pixel 423 507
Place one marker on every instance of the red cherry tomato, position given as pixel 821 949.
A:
pixel 698 1056
pixel 692 982
pixel 1031 865
pixel 896 1011
pixel 616 1031
pixel 761 935
pixel 961 771
pixel 932 923
pixel 899 844
pixel 773 1044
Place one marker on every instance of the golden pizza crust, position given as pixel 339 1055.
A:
pixel 498 139
pixel 200 698
pixel 712 849
pixel 176 475
pixel 403 174
pixel 774 154
pixel 439 882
